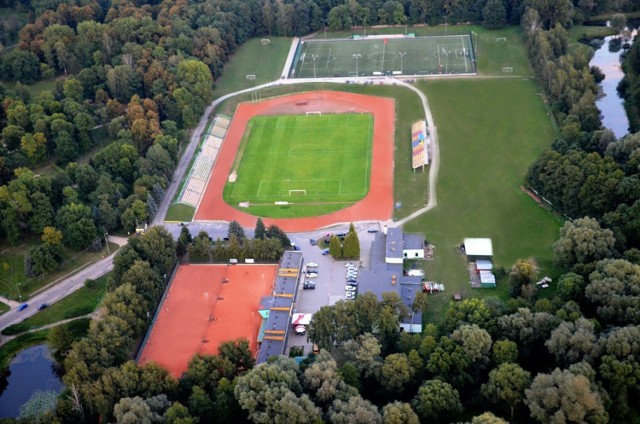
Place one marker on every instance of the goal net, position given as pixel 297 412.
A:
pixel 314 113
pixel 251 76
pixel 501 39
pixel 265 41
pixel 507 69
pixel 300 192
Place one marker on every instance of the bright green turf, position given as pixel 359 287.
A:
pixel 329 156
pixel 485 153
pixel 410 56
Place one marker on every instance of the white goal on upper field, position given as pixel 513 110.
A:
pixel 250 76
pixel 503 39
pixel 299 192
pixel 314 113
pixel 265 41
pixel 507 69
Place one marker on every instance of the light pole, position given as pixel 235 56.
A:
pixel 165 280
pixel 325 28
pixel 357 56
pixel 402 61
pixel 19 294
pixel 364 26
pixel 406 27
pixel 445 24
pixel 107 243
pixel 314 57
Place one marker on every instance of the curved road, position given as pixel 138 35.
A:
pixel 105 265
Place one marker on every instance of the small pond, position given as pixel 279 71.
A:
pixel 607 58
pixel 30 371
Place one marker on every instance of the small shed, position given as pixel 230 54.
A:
pixel 478 249
pixel 487 279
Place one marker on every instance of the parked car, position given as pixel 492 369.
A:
pixel 350 295
pixel 301 330
pixel 313 242
pixel 352 274
pixel 325 252
pixel 311 274
pixel 23 307
pixel 350 288
pixel 352 282
pixel 312 265
pixel 373 230
pixel 42 306
pixel 349 265
pixel 309 285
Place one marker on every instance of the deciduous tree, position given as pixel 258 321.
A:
pixel 437 401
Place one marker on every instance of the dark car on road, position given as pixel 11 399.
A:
pixel 309 285
pixel 23 307
pixel 42 306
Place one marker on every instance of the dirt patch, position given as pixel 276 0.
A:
pixel 377 205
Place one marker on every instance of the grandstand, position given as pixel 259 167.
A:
pixel 420 143
pixel 196 183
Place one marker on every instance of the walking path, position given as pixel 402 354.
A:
pixel 5 339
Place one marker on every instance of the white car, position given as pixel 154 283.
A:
pixel 349 264
pixel 350 288
pixel 312 265
pixel 311 274
pixel 350 295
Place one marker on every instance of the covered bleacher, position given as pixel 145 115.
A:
pixel 420 142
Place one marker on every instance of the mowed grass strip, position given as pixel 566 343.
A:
pixel 328 156
pixel 486 150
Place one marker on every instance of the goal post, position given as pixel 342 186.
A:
pixel 298 192
pixel 250 77
pixel 501 39
pixel 314 113
pixel 507 69
pixel 265 41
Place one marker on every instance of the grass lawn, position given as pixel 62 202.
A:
pixel 580 35
pixel 318 163
pixel 78 329
pixel 3 308
pixel 252 58
pixel 13 257
pixel 38 86
pixel 485 154
pixel 180 212
pixel 82 302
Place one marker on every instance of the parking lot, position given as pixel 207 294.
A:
pixel 331 279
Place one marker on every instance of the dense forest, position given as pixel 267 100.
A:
pixel 144 72
pixel 629 87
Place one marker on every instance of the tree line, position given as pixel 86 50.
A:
pixel 629 87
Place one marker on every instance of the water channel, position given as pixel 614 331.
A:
pixel 30 371
pixel 607 58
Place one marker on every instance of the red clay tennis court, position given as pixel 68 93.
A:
pixel 205 306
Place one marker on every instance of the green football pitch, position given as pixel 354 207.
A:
pixel 451 54
pixel 302 160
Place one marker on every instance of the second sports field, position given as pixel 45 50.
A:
pixel 302 159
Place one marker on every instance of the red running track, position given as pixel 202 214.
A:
pixel 377 205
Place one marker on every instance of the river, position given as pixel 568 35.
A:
pixel 607 58
pixel 30 371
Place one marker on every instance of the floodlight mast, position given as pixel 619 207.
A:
pixel 402 61
pixel 314 57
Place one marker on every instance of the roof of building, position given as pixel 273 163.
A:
pixel 413 241
pixel 487 277
pixel 478 247
pixel 484 264
pixel 301 319
pixel 394 243
pixel 280 303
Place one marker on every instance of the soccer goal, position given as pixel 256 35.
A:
pixel 250 77
pixel 265 41
pixel 501 39
pixel 300 192
pixel 314 113
pixel 507 69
